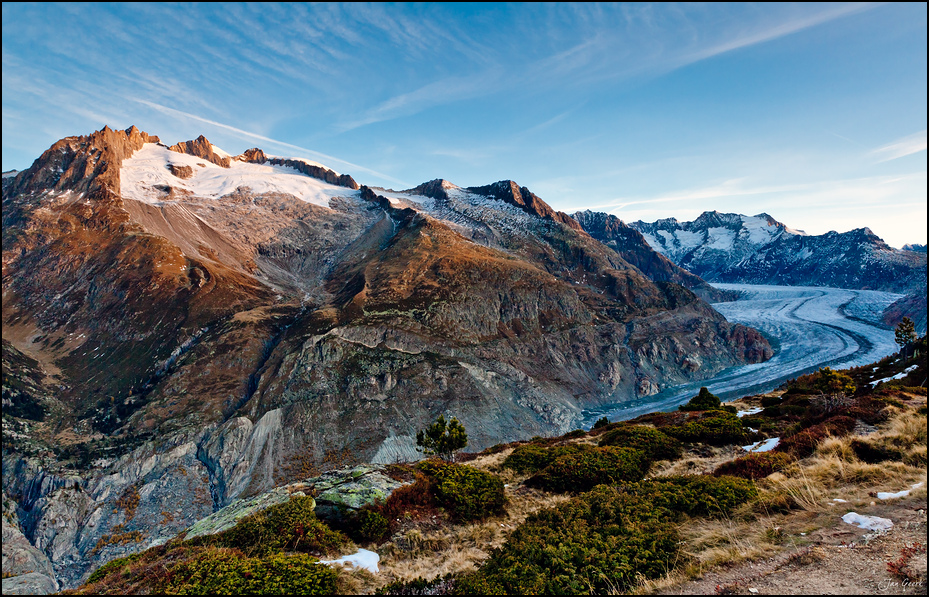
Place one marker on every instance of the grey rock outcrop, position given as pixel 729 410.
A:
pixel 32 583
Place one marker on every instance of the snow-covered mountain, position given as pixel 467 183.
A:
pixel 758 249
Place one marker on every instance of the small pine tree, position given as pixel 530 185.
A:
pixel 705 400
pixel 905 333
pixel 601 422
pixel 442 439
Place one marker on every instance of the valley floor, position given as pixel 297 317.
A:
pixel 809 327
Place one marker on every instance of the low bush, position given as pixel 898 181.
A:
pixel 368 525
pixel 704 400
pixel 600 542
pixel 416 500
pixel 291 526
pixel 717 428
pixel 112 566
pixel 219 571
pixel 442 585
pixel 466 492
pixel 530 458
pixel 695 495
pixel 581 471
pixel 655 444
pixel 754 466
pixel 803 443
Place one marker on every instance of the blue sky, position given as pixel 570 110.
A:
pixel 813 113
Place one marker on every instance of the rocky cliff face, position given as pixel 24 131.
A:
pixel 169 348
pixel 632 246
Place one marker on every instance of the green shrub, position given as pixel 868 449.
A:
pixel 599 542
pixel 218 571
pixel 582 471
pixel 290 526
pixel 717 428
pixel 702 401
pixel 369 525
pixel 655 444
pixel 695 495
pixel 530 458
pixel 466 492
pixel 574 434
pixel 601 422
pixel 754 466
pixel 112 566
pixel 767 401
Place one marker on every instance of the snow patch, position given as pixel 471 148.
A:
pixel 720 239
pixel 749 412
pixel 884 495
pixel 363 558
pixel 763 446
pixel 870 523
pixel 897 376
pixel 148 169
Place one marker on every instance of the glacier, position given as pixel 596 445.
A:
pixel 809 328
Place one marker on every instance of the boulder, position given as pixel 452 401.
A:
pixel 344 491
pixel 227 517
pixel 32 583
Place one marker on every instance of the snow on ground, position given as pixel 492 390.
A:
pixel 363 558
pixel 884 495
pixel 148 168
pixel 719 238
pixel 897 376
pixel 763 446
pixel 871 523
pixel 809 327
pixel 749 412
pixel 758 230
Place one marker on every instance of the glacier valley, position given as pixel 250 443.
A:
pixel 809 327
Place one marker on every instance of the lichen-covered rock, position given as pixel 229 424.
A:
pixel 227 517
pixel 348 489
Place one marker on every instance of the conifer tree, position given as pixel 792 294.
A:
pixel 442 439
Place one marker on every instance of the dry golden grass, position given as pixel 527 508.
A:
pixel 695 464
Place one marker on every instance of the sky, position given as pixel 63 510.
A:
pixel 812 113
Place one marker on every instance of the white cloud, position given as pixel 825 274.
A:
pixel 901 147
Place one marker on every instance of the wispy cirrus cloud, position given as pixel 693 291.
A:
pixel 327 159
pixel 901 147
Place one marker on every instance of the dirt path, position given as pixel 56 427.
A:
pixel 834 560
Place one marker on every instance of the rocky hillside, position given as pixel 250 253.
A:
pixel 735 248
pixel 819 486
pixel 183 327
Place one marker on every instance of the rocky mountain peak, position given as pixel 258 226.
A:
pixel 87 164
pixel 437 189
pixel 253 156
pixel 526 200
pixel 202 148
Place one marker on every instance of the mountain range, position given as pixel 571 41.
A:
pixel 734 248
pixel 183 327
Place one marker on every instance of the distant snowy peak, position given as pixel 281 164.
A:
pixel 760 250
pixel 735 234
